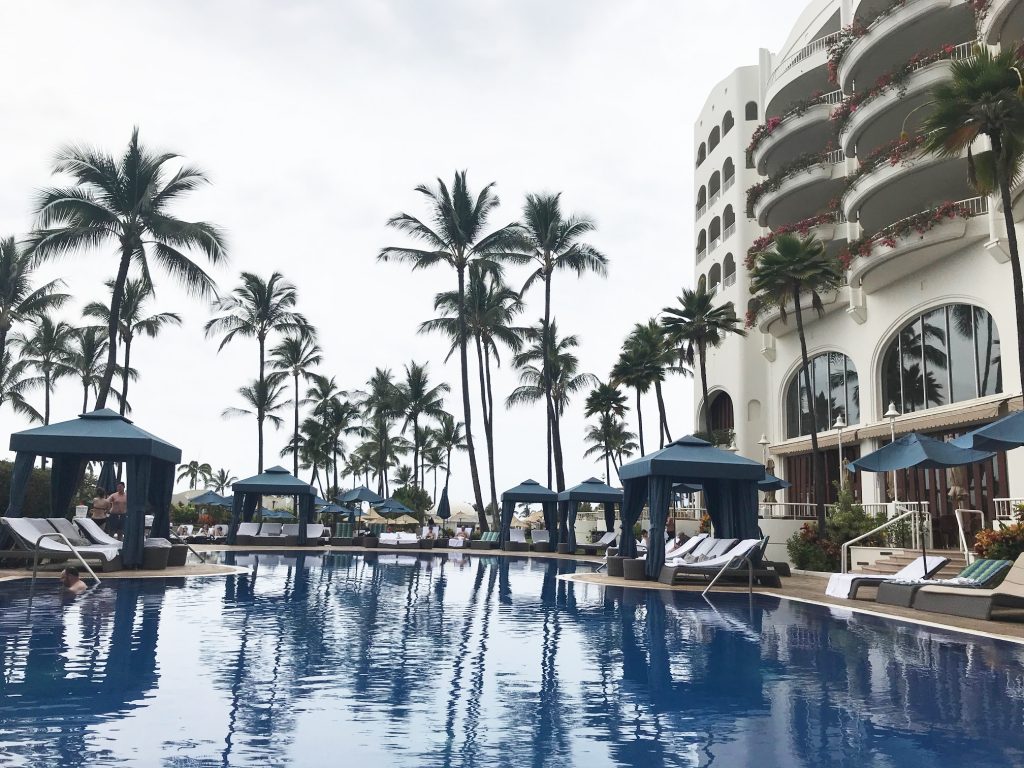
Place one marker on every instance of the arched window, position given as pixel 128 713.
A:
pixel 721 420
pixel 714 278
pixel 702 197
pixel 728 170
pixel 946 355
pixel 727 123
pixel 728 269
pixel 702 242
pixel 728 217
pixel 836 391
pixel 750 113
pixel 714 230
pixel 713 139
pixel 702 283
pixel 702 152
pixel 715 185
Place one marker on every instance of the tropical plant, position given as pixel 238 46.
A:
pixel 696 325
pixel 433 460
pixel 983 97
pixel 609 404
pixel 263 399
pixel 651 344
pixel 19 301
pixel 255 309
pixel 126 202
pixel 47 349
pixel 793 268
pixel 133 322
pixel 13 384
pixel 403 476
pixel 634 369
pixel 195 472
pixel 417 399
pixel 450 436
pixel 296 355
pixel 610 440
pixel 312 445
pixel 221 480
pixel 456 239
pixel 552 242
pixel 87 356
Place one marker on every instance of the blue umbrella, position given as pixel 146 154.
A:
pixel 207 498
pixel 360 494
pixel 107 479
pixel 1001 435
pixel 276 514
pixel 393 507
pixel 444 507
pixel 916 451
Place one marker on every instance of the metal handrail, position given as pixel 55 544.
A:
pixel 968 555
pixel 750 574
pixel 844 550
pixel 176 538
pixel 62 537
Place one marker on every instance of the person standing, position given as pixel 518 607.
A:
pixel 118 509
pixel 99 510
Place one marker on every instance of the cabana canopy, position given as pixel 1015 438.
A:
pixel 528 492
pixel 1002 435
pixel 207 499
pixel 916 451
pixel 393 507
pixel 276 481
pixel 589 490
pixel 106 436
pixel 729 482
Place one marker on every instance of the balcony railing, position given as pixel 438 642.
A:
pixel 835 156
pixel 728 231
pixel 729 279
pixel 1006 509
pixel 714 244
pixel 727 184
pixel 820 44
pixel 701 255
pixel 807 511
pixel 714 197
pixel 701 210
pixel 922 220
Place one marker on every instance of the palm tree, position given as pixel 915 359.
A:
pixel 87 356
pixel 417 399
pixel 339 418
pixel 48 350
pixel 456 239
pixel 221 480
pixel 634 369
pixel 450 437
pixel 433 460
pixel 13 384
pixel 384 450
pixel 697 325
pixel 296 354
pixel 19 301
pixel 404 476
pixel 552 242
pixel 125 202
pixel 312 447
pixel 607 403
pixel 195 472
pixel 983 98
pixel 609 439
pixel 650 344
pixel 255 309
pixel 791 268
pixel 263 400
pixel 133 323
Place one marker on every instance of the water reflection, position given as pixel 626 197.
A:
pixel 483 660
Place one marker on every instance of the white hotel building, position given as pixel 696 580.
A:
pixel 928 303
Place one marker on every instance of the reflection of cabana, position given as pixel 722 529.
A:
pixel 528 492
pixel 106 436
pixel 592 490
pixel 729 482
pixel 276 481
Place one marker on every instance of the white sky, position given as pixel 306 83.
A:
pixel 316 119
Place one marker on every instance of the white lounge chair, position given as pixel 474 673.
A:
pixel 408 541
pixel 28 532
pixel 517 541
pixel 388 541
pixel 846 585
pixel 246 532
pixel 686 547
pixel 743 559
pixel 598 546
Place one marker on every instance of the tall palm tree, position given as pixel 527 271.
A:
pixel 450 437
pixel 789 270
pixel 134 322
pixel 384 449
pixel 339 417
pixel 312 446
pixel 417 399
pixel 552 242
pixel 607 403
pixel 195 472
pixel 610 440
pixel 635 369
pixel 48 350
pixel 296 355
pixel 650 345
pixel 404 476
pixel 126 202
pixel 19 301
pixel 255 309
pixel 13 384
pixel 382 406
pixel 983 97
pixel 433 460
pixel 696 325
pixel 456 239
pixel 221 480
pixel 87 356
pixel 263 399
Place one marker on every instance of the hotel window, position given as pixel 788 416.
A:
pixel 751 110
pixel 946 355
pixel 836 391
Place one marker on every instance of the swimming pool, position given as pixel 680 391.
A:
pixel 344 659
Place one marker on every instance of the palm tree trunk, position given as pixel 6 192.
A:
pixel 116 297
pixel 295 429
pixel 704 390
pixel 260 401
pixel 1011 240
pixel 546 363
pixel 124 374
pixel 467 408
pixel 85 397
pixel 663 433
pixel 556 435
pixel 46 405
pixel 817 465
pixel 488 416
pixel 490 429
pixel 639 421
pixel 416 452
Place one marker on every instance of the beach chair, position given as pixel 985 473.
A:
pixel 246 533
pixel 408 540
pixel 270 536
pixel 517 541
pixel 846 585
pixel 457 542
pixel 735 565
pixel 598 547
pixel 981 574
pixel 387 541
pixel 27 532
pixel 541 541
pixel 343 535
pixel 1003 601
pixel 686 547
pixel 487 540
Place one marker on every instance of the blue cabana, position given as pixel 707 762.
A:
pixel 1002 435
pixel 729 482
pixel 916 451
pixel 354 498
pixel 590 490
pixel 207 499
pixel 276 481
pixel 528 492
pixel 109 437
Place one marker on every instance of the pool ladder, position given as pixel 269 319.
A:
pixel 64 539
pixel 750 575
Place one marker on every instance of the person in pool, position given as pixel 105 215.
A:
pixel 72 583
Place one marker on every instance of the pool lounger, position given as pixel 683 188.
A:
pixel 270 535
pixel 977 603
pixel 846 585
pixel 737 570
pixel 27 531
pixel 541 541
pixel 686 547
pixel 517 541
pixel 981 574
pixel 246 533
pixel 487 540
pixel 598 546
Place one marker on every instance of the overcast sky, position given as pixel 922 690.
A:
pixel 315 119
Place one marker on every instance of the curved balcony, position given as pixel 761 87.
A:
pixel 799 75
pixel 800 193
pixel 1003 23
pixel 889 192
pixel 916 241
pixel 919 25
pixel 882 118
pixel 806 127
pixel 771 321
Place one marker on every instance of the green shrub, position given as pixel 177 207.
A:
pixel 37 497
pixel 847 521
pixel 1004 544
pixel 414 498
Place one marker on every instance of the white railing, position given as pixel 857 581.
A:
pixel 714 244
pixel 701 254
pixel 835 156
pixel 701 210
pixel 832 97
pixel 714 197
pixel 688 513
pixel 713 289
pixel 785 510
pixel 912 514
pixel 728 231
pixel 820 44
pixel 727 184
pixel 729 279
pixel 1006 509
pixel 973 206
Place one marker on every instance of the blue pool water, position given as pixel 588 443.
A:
pixel 344 660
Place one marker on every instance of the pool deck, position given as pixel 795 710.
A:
pixel 803 587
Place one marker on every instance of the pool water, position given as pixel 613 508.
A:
pixel 344 659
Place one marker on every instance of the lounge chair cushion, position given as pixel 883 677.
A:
pixel 844 585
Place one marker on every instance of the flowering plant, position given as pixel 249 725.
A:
pixel 893 153
pixel 837 49
pixel 1004 544
pixel 800 163
pixel 802 227
pixel 919 223
pixel 768 127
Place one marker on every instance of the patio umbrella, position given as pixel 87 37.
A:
pixel 404 520
pixel 107 479
pixel 276 514
pixel 354 498
pixel 1001 435
pixel 772 483
pixel 207 499
pixel 444 507
pixel 393 506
